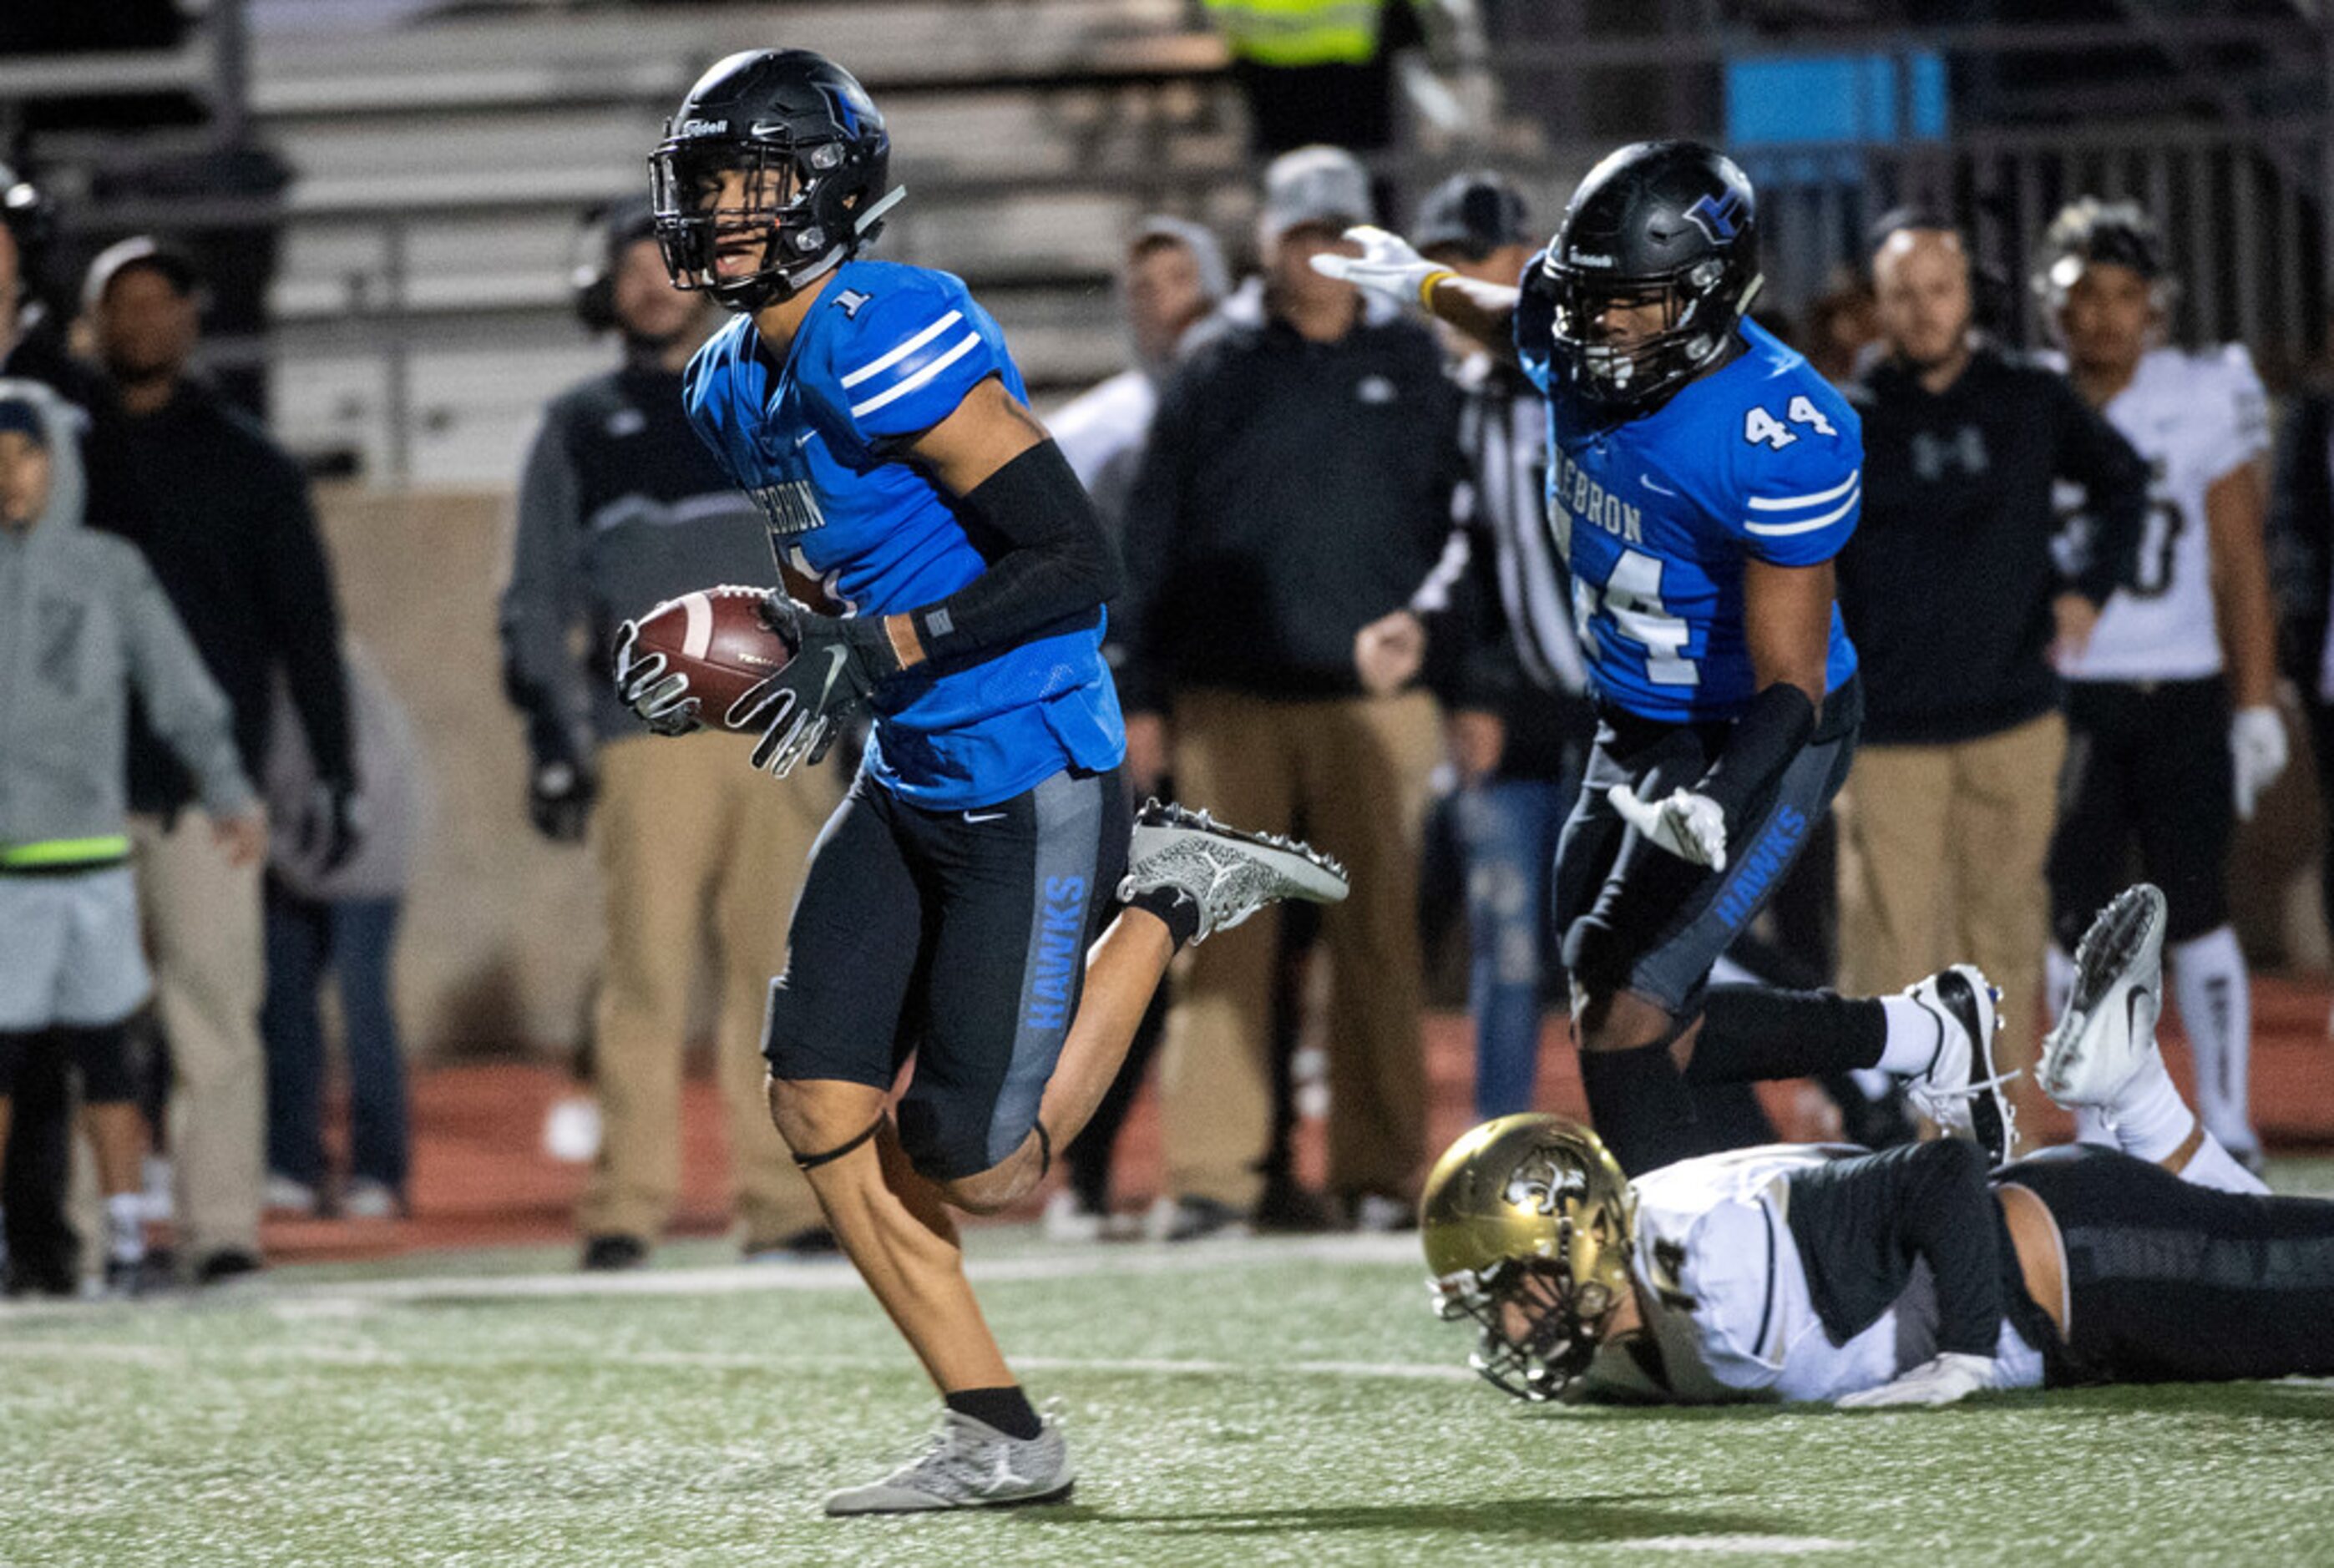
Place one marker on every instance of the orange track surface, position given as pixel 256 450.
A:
pixel 482 1178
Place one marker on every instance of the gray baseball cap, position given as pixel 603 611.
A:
pixel 1322 185
pixel 1475 213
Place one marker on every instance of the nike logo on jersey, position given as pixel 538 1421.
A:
pixel 984 816
pixel 804 439
pixel 1647 481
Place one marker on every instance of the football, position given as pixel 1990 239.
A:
pixel 715 636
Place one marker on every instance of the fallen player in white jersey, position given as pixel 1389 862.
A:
pixel 1916 1277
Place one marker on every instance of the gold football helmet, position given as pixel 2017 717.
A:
pixel 1527 1224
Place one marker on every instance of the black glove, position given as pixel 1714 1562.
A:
pixel 662 701
pixel 559 795
pixel 332 826
pixel 835 666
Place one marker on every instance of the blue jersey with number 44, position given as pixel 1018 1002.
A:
pixel 886 352
pixel 1760 460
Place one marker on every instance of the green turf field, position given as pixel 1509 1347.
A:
pixel 1236 1403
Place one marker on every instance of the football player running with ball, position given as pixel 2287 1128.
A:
pixel 1789 1272
pixel 1701 478
pixel 951 900
pixel 2172 720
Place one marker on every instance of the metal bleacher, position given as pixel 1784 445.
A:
pixel 420 313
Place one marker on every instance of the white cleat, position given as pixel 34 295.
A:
pixel 968 1464
pixel 1961 1089
pixel 1229 874
pixel 2109 1031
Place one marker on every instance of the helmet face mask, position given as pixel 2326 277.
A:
pixel 1691 329
pixel 1527 1223
pixel 772 172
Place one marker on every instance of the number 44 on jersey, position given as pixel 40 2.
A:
pixel 1759 426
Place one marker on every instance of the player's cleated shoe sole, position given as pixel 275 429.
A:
pixel 2104 1037
pixel 1963 1090
pixel 1227 873
pixel 968 1464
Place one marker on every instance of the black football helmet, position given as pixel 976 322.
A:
pixel 794 143
pixel 1667 223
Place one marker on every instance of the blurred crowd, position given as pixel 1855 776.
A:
pixel 1346 619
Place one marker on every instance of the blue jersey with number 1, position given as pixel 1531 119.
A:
pixel 819 439
pixel 1760 460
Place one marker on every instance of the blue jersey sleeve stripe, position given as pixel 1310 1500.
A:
pixel 971 340
pixel 1784 530
pixel 902 352
pixel 1791 502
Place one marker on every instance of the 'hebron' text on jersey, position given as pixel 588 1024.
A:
pixel 886 352
pixel 1758 460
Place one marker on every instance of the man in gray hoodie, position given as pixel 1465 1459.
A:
pixel 81 621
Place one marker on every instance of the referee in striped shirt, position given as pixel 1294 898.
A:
pixel 1520 723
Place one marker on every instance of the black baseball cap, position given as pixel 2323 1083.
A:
pixel 1476 212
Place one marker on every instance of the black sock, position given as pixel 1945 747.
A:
pixel 1007 1409
pixel 1642 1108
pixel 1172 905
pixel 1751 1031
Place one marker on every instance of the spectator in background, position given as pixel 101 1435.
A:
pixel 2173 726
pixel 1173 275
pixel 1840 325
pixel 1296 488
pixel 1521 721
pixel 43 1250
pixel 2301 542
pixel 221 513
pixel 81 625
pixel 342 918
pixel 1317 71
pixel 1955 605
pixel 620 507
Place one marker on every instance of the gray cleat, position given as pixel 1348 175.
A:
pixel 968 1464
pixel 1229 874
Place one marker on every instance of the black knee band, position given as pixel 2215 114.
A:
pixel 813 1162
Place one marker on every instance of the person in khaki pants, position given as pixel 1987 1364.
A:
pixel 1957 607
pixel 1296 491
pixel 622 506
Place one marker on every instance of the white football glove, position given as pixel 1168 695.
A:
pixel 1947 1379
pixel 2257 746
pixel 1387 265
pixel 1691 826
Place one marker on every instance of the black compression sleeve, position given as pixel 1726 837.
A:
pixel 1049 560
pixel 1768 736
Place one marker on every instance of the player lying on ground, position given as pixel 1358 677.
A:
pixel 873 412
pixel 1910 1277
pixel 1701 478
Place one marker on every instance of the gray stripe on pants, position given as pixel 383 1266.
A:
pixel 1069 837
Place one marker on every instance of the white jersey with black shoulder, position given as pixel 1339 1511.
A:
pixel 2196 418
pixel 1727 1306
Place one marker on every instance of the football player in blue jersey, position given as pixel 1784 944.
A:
pixel 1700 478
pixel 958 573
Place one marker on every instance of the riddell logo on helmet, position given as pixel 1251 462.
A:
pixel 703 128
pixel 1581 258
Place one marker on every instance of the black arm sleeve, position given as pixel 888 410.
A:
pixel 1861 1222
pixel 1049 560
pixel 2114 478
pixel 307 617
pixel 1767 737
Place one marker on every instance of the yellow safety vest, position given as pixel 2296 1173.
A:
pixel 1298 32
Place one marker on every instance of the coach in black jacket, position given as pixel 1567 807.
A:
pixel 221 513
pixel 1296 490
pixel 1951 595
